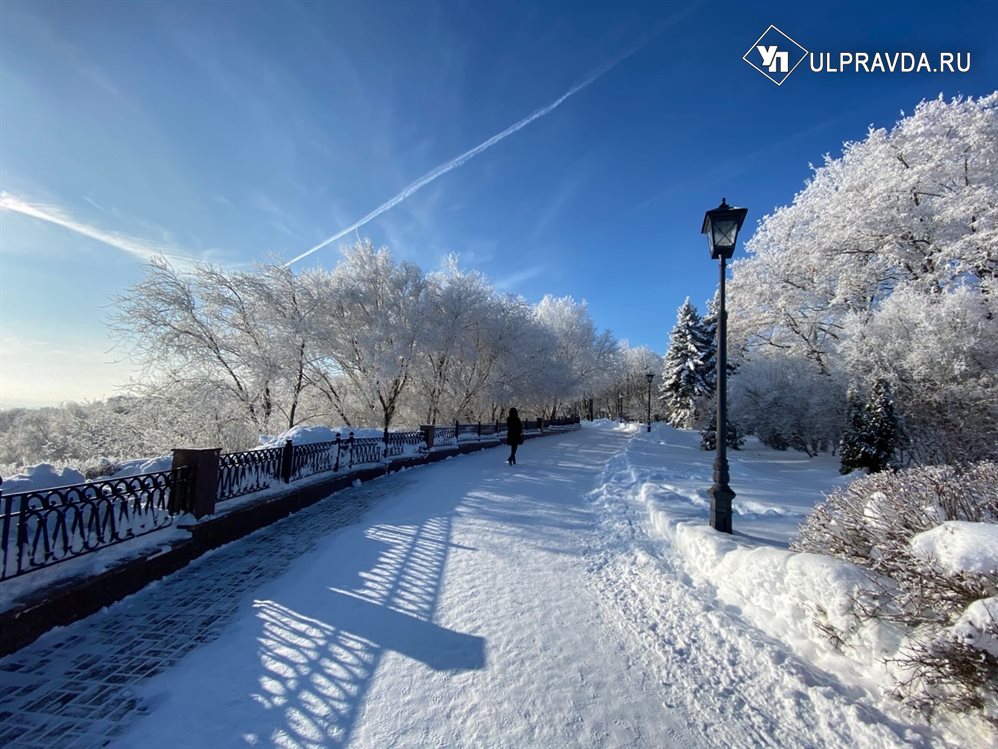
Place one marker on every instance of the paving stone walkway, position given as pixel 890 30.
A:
pixel 72 689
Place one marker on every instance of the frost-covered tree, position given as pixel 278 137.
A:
pixel 629 382
pixel 708 434
pixel 916 204
pixel 939 355
pixel 582 355
pixel 909 211
pixel 459 346
pixel 245 332
pixel 684 381
pixel 371 323
pixel 788 404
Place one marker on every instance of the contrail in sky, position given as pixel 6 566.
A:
pixel 134 246
pixel 468 155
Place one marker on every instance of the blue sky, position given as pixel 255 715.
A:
pixel 230 131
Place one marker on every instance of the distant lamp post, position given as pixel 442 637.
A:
pixel 649 376
pixel 721 226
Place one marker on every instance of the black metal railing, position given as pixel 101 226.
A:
pixel 44 527
pixel 41 528
pixel 366 451
pixel 491 430
pixel 247 472
pixel 439 436
pixel 466 432
pixel 317 457
pixel 254 470
pixel 396 443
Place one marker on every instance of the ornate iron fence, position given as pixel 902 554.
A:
pixel 397 442
pixel 41 528
pixel 247 472
pixel 365 451
pixel 44 527
pixel 317 457
pixel 491 430
pixel 441 435
pixel 253 470
pixel 466 432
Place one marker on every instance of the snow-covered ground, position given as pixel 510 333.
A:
pixel 576 599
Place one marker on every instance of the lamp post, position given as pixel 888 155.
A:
pixel 649 376
pixel 620 406
pixel 721 226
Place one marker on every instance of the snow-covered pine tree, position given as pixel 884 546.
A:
pixel 683 384
pixel 708 434
pixel 873 433
pixel 853 448
pixel 707 343
pixel 884 429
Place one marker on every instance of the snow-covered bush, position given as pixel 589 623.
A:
pixel 928 536
pixel 100 468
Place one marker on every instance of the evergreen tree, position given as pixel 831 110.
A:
pixel 884 430
pixel 707 336
pixel 708 435
pixel 683 384
pixel 852 450
pixel 873 433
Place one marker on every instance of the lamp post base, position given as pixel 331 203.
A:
pixel 720 507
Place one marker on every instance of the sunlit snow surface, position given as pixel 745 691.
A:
pixel 577 599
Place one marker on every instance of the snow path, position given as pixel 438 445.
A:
pixel 482 605
pixel 738 685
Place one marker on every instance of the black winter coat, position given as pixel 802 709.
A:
pixel 514 431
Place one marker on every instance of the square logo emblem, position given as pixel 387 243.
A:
pixel 775 55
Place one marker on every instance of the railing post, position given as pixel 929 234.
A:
pixel 384 449
pixel 339 446
pixel 287 461
pixel 5 538
pixel 350 465
pixel 457 433
pixel 201 489
pixel 479 430
pixel 22 531
pixel 428 434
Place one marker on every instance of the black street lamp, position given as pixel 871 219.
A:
pixel 649 376
pixel 721 226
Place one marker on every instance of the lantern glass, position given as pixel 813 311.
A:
pixel 721 226
pixel 725 232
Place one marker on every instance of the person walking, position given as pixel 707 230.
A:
pixel 514 434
